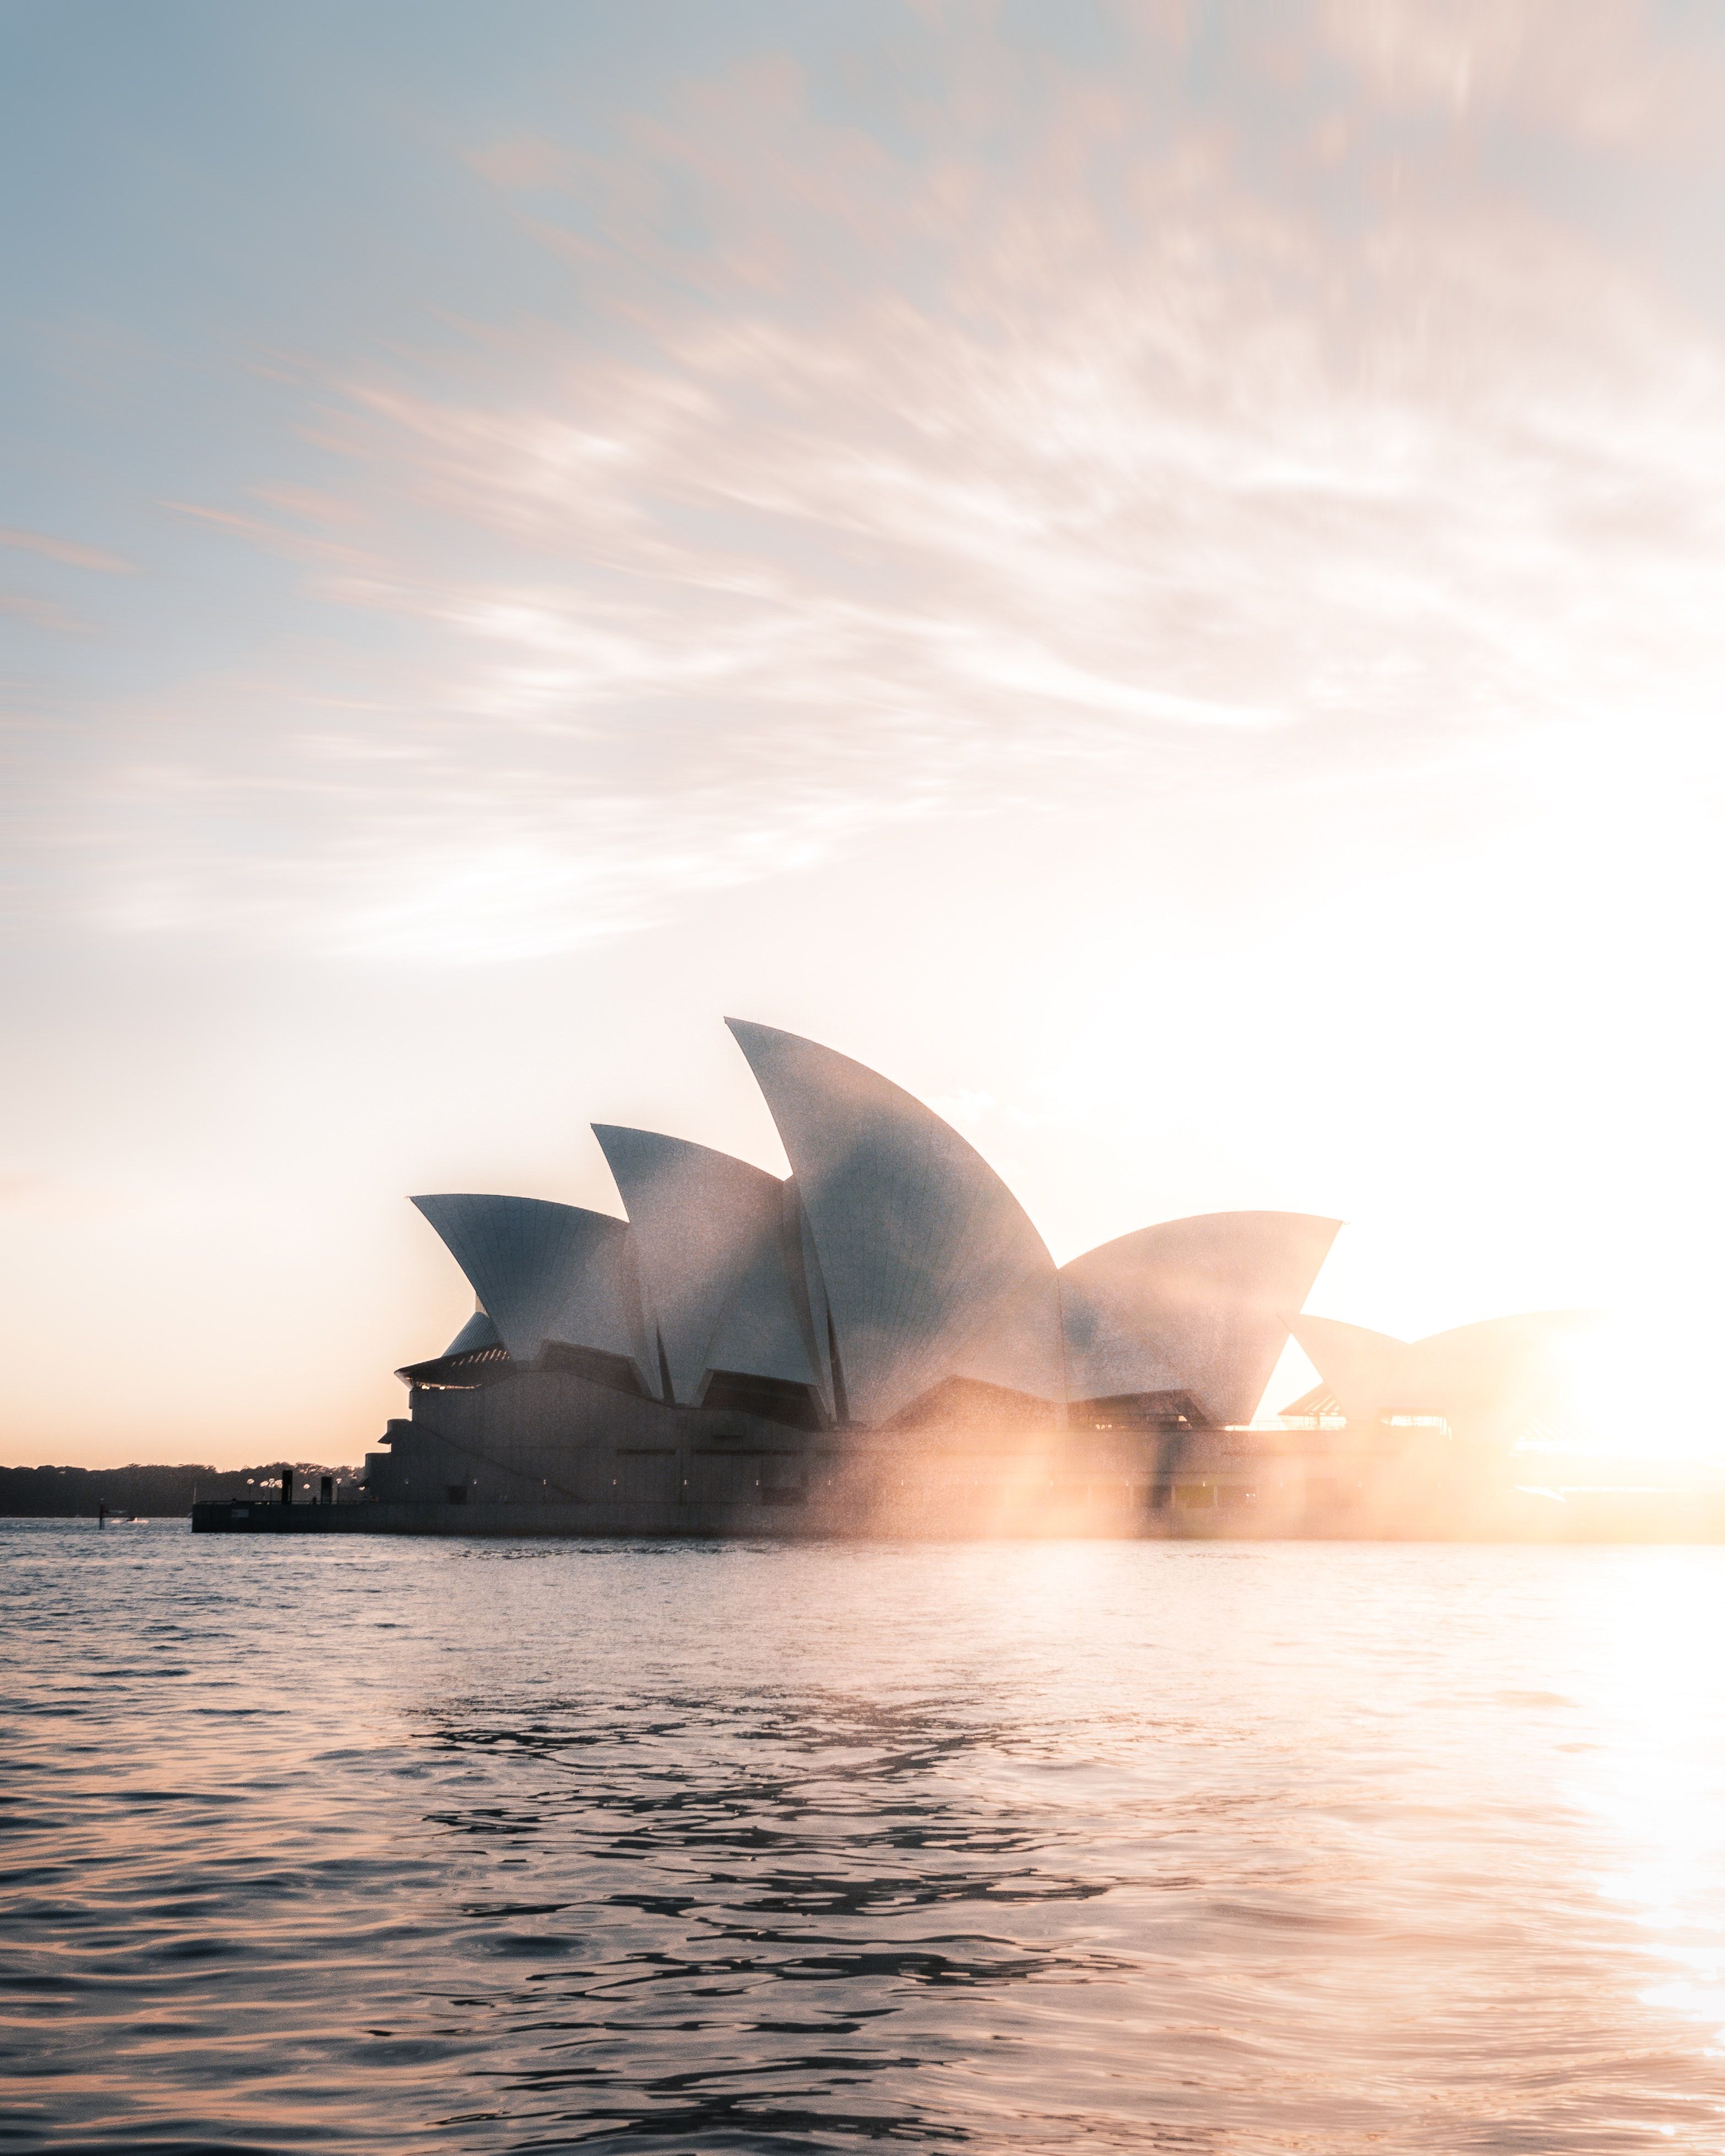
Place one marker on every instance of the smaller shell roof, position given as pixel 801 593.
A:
pixel 710 1236
pixel 479 1331
pixel 1193 1306
pixel 1493 1378
pixel 1488 1379
pixel 543 1271
pixel 1363 1369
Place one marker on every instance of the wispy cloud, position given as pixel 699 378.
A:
pixel 1031 426
pixel 69 552
pixel 1618 74
pixel 39 612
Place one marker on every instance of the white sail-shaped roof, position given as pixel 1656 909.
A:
pixel 1488 1380
pixel 543 1271
pixel 763 1332
pixel 919 1243
pixel 1022 1348
pixel 1192 1306
pixel 479 1331
pixel 1362 1370
pixel 803 1263
pixel 710 1238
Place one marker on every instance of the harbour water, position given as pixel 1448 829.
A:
pixel 352 1844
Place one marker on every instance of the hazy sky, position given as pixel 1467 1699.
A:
pixel 1157 573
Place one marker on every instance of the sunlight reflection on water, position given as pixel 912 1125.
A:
pixel 366 1844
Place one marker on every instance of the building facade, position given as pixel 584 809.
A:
pixel 881 1343
pixel 880 1340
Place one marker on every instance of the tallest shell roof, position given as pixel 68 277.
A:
pixel 921 1244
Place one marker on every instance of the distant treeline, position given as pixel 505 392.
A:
pixel 79 1493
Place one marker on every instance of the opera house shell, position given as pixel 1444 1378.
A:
pixel 891 1287
pixel 1498 1382
pixel 881 1341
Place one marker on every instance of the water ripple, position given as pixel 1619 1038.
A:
pixel 1087 1847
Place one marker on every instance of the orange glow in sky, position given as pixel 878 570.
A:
pixel 1155 577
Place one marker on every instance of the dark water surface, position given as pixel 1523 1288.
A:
pixel 372 1845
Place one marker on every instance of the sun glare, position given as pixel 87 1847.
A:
pixel 1651 1676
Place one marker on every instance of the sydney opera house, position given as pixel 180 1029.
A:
pixel 881 1341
